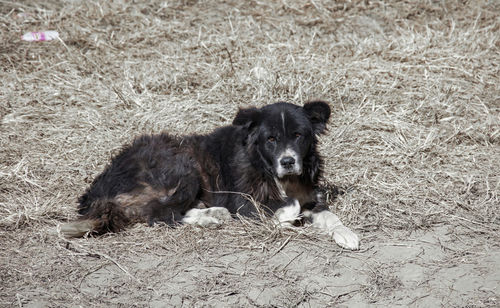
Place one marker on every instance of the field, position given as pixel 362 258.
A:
pixel 412 152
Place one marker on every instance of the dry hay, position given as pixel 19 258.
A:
pixel 413 145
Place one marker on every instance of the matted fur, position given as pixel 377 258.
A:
pixel 159 178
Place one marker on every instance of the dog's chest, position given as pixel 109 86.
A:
pixel 294 189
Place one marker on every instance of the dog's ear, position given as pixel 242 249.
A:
pixel 318 113
pixel 247 117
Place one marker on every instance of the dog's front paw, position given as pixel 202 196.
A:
pixel 287 215
pixel 345 238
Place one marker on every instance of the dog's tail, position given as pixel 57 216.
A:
pixel 101 217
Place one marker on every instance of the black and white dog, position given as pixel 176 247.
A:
pixel 266 159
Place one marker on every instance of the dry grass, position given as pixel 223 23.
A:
pixel 414 141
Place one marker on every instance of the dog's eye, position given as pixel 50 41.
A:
pixel 271 139
pixel 297 134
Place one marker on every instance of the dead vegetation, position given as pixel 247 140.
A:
pixel 413 146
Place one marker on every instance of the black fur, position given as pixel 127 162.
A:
pixel 160 177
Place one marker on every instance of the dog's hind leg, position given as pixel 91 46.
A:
pixel 172 208
pixel 142 204
pixel 103 216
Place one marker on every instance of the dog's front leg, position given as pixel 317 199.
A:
pixel 326 220
pixel 286 215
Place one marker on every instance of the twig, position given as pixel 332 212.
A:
pixel 19 300
pixel 468 220
pixel 282 246
pixel 230 59
pixel 293 259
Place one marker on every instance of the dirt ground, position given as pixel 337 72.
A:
pixel 412 152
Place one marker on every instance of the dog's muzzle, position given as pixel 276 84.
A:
pixel 288 163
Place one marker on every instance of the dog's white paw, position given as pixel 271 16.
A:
pixel 345 238
pixel 211 217
pixel 287 215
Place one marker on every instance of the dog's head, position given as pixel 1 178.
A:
pixel 283 134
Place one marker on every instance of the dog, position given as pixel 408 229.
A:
pixel 265 162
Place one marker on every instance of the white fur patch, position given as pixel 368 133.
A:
pixel 283 120
pixel 297 167
pixel 329 222
pixel 210 217
pixel 286 216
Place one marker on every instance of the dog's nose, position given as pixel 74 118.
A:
pixel 287 162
